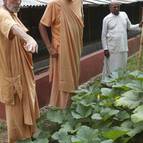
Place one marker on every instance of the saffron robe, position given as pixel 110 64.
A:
pixel 17 85
pixel 65 19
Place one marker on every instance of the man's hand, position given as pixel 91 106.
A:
pixel 107 53
pixel 31 46
pixel 53 52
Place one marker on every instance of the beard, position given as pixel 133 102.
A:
pixel 13 8
pixel 116 13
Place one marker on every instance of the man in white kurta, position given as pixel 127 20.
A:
pixel 114 40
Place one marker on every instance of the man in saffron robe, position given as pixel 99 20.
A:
pixel 17 85
pixel 65 18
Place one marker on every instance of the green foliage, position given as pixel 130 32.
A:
pixel 86 134
pixel 129 99
pixel 62 136
pixel 138 114
pixel 97 115
pixel 114 133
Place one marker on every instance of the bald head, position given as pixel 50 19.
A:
pixel 115 2
pixel 12 5
pixel 115 7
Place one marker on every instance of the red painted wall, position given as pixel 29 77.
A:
pixel 91 65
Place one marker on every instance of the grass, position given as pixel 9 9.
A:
pixel 132 63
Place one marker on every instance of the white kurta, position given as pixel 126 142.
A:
pixel 114 39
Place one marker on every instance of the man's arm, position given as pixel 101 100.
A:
pixel 44 35
pixel 131 26
pixel 104 35
pixel 30 44
pixel 104 38
pixel 46 39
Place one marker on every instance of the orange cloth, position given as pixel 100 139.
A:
pixel 17 85
pixel 65 19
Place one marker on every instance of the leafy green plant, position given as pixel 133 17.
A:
pixel 97 114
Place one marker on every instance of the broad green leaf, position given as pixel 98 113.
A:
pixel 62 136
pixel 107 141
pixel 122 115
pixel 131 128
pixel 137 75
pixel 83 110
pixel 67 126
pixel 37 133
pixel 88 100
pixel 96 116
pixel 135 85
pixel 121 86
pixel 106 113
pixel 125 139
pixel 114 134
pixel 138 114
pixel 138 128
pixel 134 73
pixel 55 116
pixel 129 99
pixel 78 140
pixel 86 135
pixel 106 91
pixel 76 115
pixel 127 125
